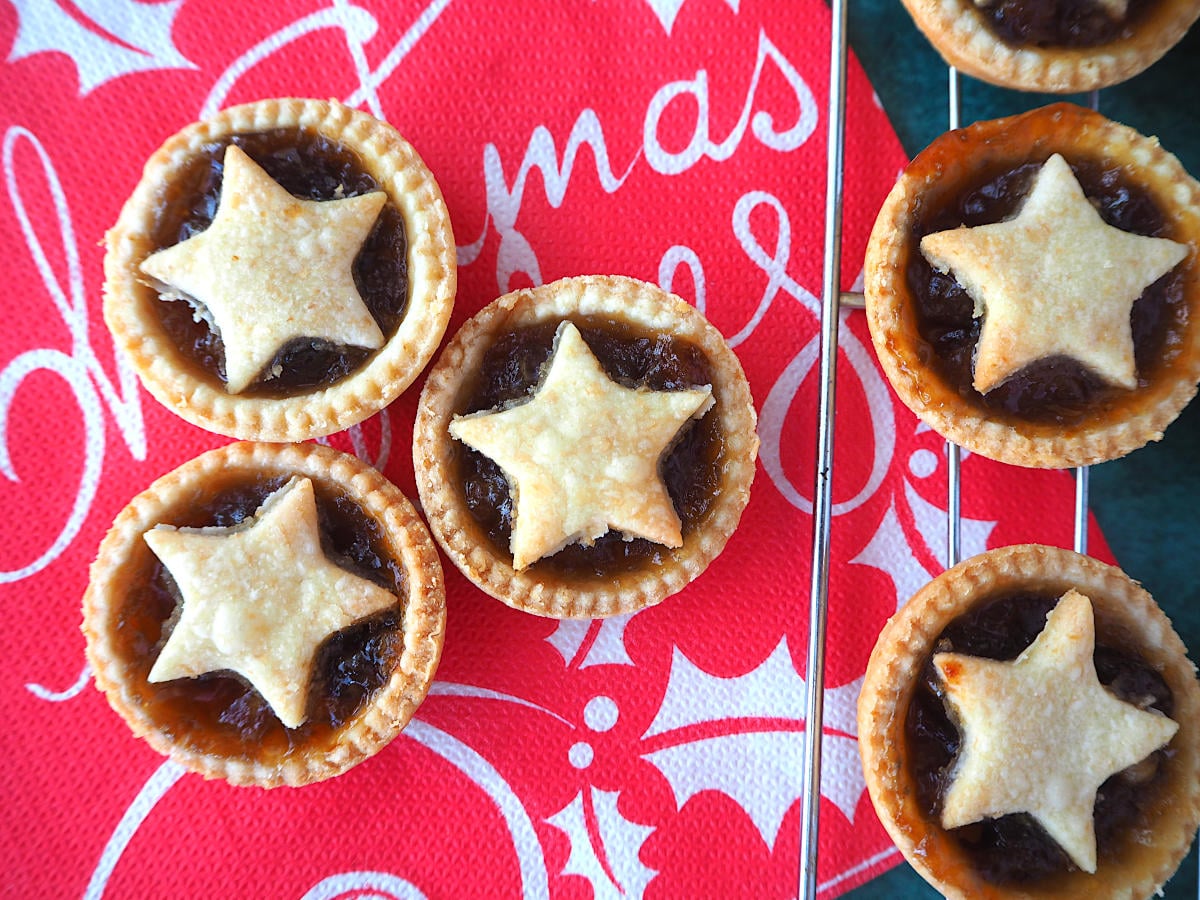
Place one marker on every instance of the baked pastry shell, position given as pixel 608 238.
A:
pixel 123 553
pixel 200 398
pixel 536 589
pixel 960 32
pixel 904 647
pixel 936 176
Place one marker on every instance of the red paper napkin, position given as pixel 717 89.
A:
pixel 656 755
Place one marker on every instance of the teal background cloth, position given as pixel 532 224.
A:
pixel 1147 503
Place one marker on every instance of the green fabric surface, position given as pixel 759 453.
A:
pixel 1147 502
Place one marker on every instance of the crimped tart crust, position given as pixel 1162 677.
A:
pixel 132 303
pixel 125 564
pixel 961 33
pixel 540 588
pixel 1124 612
pixel 938 176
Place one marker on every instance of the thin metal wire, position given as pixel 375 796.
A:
pixel 823 489
pixel 1082 473
pixel 954 96
pixel 1081 509
pixel 953 504
pixel 953 453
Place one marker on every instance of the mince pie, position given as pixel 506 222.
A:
pixel 267 613
pixel 282 271
pixel 1053 46
pixel 1029 724
pixel 1033 288
pixel 585 448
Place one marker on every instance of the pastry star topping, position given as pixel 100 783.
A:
pixel 272 268
pixel 1055 280
pixel 1041 734
pixel 581 455
pixel 259 598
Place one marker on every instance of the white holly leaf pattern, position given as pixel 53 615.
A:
pixel 892 551
pixel 745 708
pixel 568 638
pixel 931 523
pixel 667 10
pixel 721 764
pixel 612 868
pixel 694 697
pixel 889 552
pixel 125 36
pixel 842 778
pixel 775 758
pixel 608 647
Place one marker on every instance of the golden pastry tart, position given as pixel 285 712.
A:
pixel 266 613
pixel 1033 287
pixel 282 271
pixel 1029 725
pixel 585 448
pixel 1053 46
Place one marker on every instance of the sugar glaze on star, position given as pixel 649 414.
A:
pixel 272 268
pixel 1055 280
pixel 1041 734
pixel 259 598
pixel 581 455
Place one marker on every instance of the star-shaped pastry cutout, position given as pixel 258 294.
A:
pixel 581 455
pixel 272 268
pixel 259 598
pixel 1040 734
pixel 1054 280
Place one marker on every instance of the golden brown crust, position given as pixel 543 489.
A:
pixel 406 539
pixel 934 176
pixel 432 273
pixel 462 538
pixel 965 39
pixel 1122 608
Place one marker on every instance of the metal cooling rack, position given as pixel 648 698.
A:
pixel 833 300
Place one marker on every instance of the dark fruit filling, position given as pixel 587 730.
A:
pixel 1015 848
pixel 1055 390
pixel 1061 23
pixel 691 469
pixel 310 167
pixel 220 713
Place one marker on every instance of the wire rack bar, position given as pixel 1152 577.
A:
pixel 954 96
pixel 1081 509
pixel 953 452
pixel 823 487
pixel 1082 473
